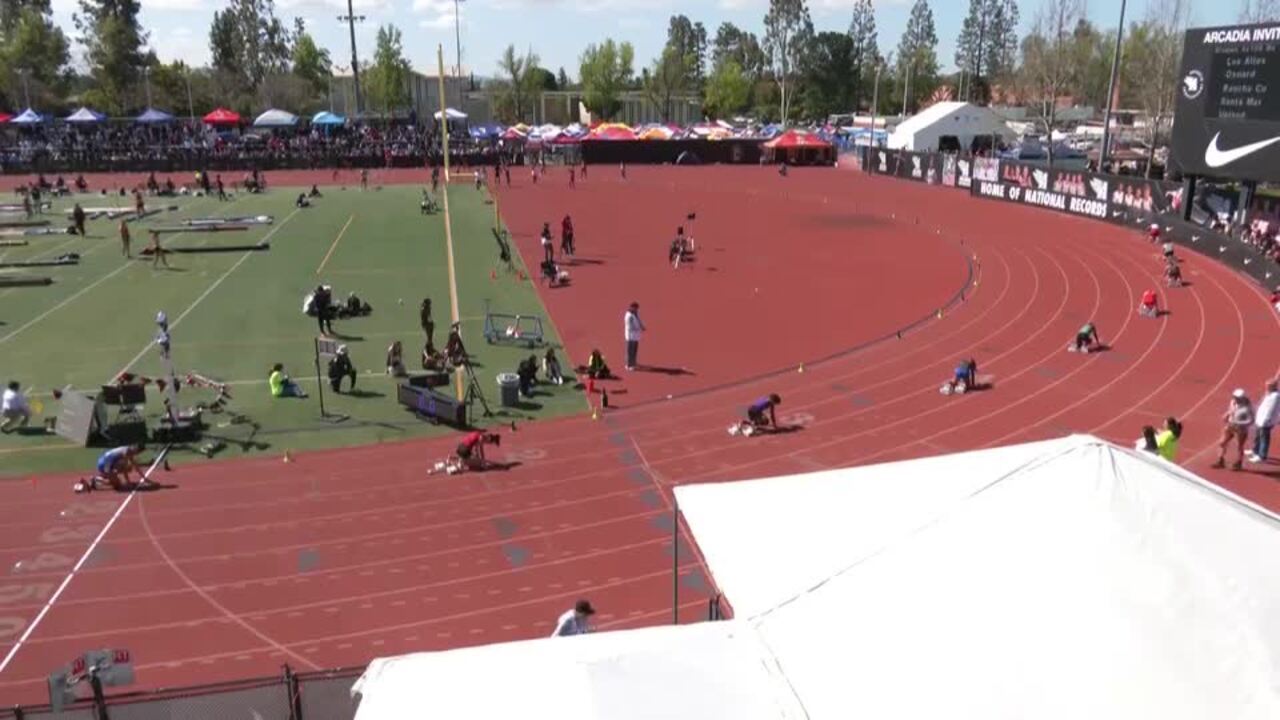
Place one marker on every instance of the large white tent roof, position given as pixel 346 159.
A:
pixel 962 120
pixel 1061 579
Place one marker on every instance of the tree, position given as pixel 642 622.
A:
pixel 670 78
pixel 224 43
pixel 114 45
pixel 787 30
pixel 310 63
pixel 866 50
pixel 742 47
pixel 1048 62
pixel 388 78
pixel 689 40
pixel 728 90
pixel 605 71
pixel 1092 50
pixel 562 80
pixel 520 80
pixel 33 55
pixel 1152 60
pixel 917 53
pixel 249 44
pixel 1260 11
pixel 987 46
pixel 828 75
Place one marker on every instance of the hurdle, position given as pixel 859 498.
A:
pixel 24 281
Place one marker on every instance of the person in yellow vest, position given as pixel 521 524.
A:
pixel 281 385
pixel 1167 439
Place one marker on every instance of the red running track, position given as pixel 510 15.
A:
pixel 347 555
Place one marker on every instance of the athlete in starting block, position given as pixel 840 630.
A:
pixel 760 417
pixel 964 380
pixel 469 454
pixel 1149 305
pixel 113 468
pixel 1087 340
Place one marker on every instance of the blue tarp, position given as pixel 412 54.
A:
pixel 152 116
pixel 486 131
pixel 327 118
pixel 85 115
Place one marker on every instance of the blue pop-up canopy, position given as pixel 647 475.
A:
pixel 327 118
pixel 85 115
pixel 154 116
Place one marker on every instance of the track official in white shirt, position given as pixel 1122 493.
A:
pixel 632 329
pixel 14 409
pixel 575 621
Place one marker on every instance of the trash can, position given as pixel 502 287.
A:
pixel 509 385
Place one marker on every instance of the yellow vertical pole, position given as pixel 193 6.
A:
pixel 448 223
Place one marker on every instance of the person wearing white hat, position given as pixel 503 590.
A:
pixel 340 367
pixel 1236 421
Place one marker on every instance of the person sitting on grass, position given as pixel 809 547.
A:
pixel 315 192
pixel 597 369
pixel 340 367
pixel 527 371
pixel 432 359
pixel 395 360
pixel 469 454
pixel 454 350
pixel 281 385
pixel 355 307
pixel 428 204
pixel 15 411
pixel 1087 339
pixel 113 468
pixel 302 201
pixel 551 367
pixel 760 416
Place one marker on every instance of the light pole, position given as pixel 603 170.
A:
pixel 146 77
pixel 1111 92
pixel 875 104
pixel 457 40
pixel 906 90
pixel 351 19
pixel 26 88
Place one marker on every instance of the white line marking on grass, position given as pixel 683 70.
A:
pixel 63 304
pixel 334 246
pixel 48 605
pixel 208 291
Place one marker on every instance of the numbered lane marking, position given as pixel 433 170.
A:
pixel 30 592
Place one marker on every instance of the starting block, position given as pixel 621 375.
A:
pixel 502 328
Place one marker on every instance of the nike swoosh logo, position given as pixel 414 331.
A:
pixel 1215 158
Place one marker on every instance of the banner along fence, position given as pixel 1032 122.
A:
pixel 1117 199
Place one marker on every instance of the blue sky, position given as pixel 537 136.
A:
pixel 558 29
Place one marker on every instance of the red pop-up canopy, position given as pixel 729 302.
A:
pixel 222 116
pixel 5 117
pixel 796 139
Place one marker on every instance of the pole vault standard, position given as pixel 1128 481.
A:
pixel 164 343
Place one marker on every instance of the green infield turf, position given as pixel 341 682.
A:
pixel 233 314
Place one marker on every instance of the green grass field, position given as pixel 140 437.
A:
pixel 234 314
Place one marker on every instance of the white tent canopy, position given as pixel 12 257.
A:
pixel 276 118
pixel 712 670
pixel 451 114
pixel 1062 579
pixel 924 131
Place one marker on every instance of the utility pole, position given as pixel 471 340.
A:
pixel 1111 93
pixel 26 88
pixel 906 91
pixel 191 111
pixel 351 19
pixel 977 71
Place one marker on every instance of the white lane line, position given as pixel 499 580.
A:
pixel 13 651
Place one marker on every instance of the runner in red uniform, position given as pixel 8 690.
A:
pixel 469 454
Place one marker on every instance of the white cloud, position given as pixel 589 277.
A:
pixel 174 5
pixel 180 43
pixel 440 13
pixel 340 5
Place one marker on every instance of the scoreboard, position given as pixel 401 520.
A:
pixel 1227 114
